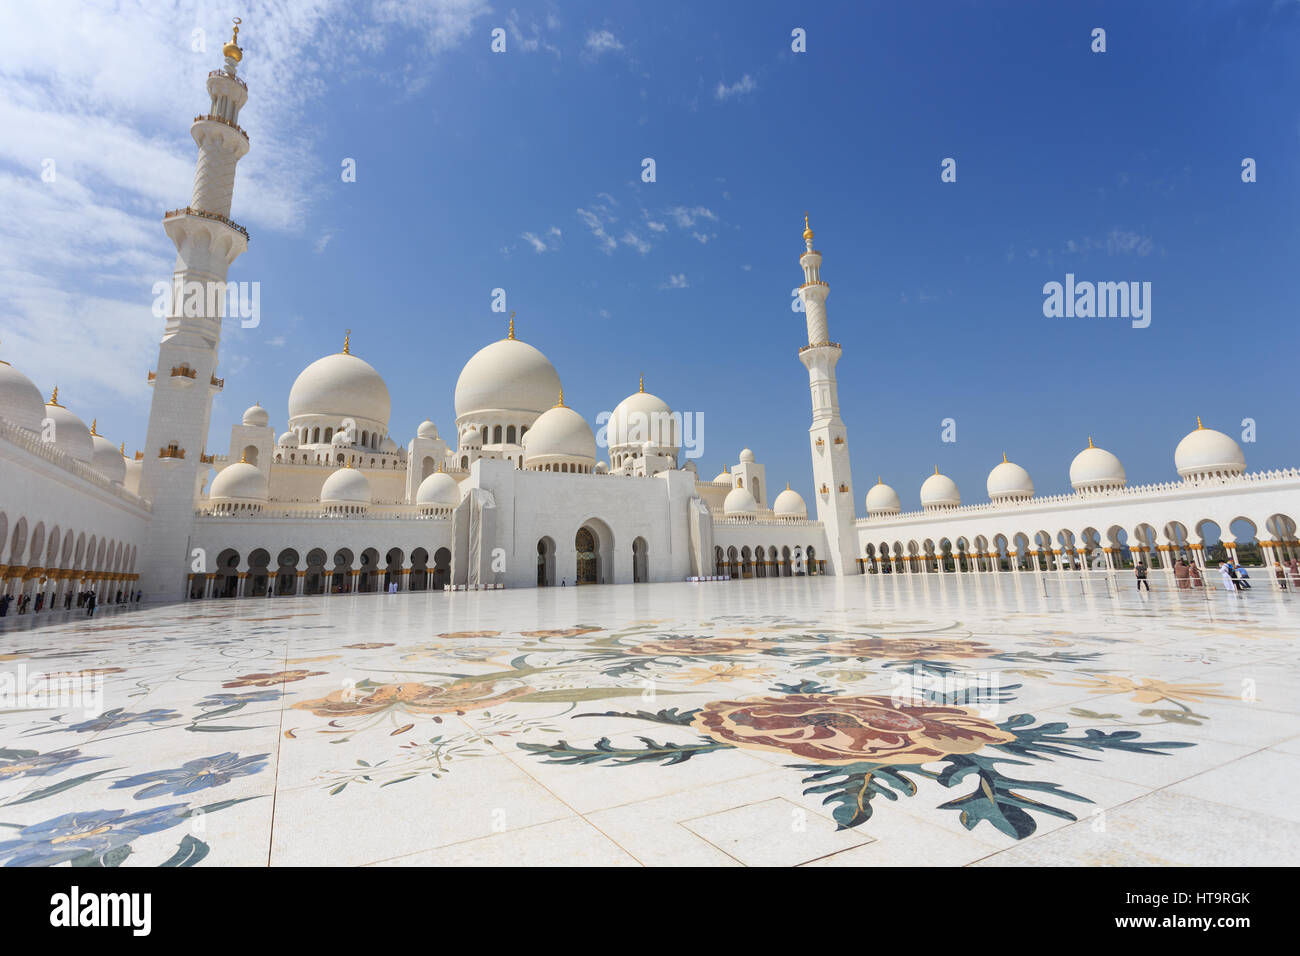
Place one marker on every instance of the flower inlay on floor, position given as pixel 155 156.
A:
pixel 856 722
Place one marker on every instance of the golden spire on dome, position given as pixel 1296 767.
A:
pixel 807 229
pixel 243 458
pixel 122 449
pixel 560 403
pixel 94 423
pixel 54 398
pixel 642 388
pixel 347 342
pixel 232 49
pixel 879 480
pixel 1199 426
pixel 936 469
pixel 1090 444
pixel 787 486
pixel 1004 458
pixel 511 333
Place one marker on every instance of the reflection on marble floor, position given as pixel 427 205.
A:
pixel 846 722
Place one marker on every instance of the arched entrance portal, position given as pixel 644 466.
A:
pixel 588 557
pixel 545 563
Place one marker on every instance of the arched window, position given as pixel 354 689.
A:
pixel 329 434
pixel 464 462
pixel 316 436
pixel 510 435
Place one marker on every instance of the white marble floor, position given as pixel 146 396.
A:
pixel 859 721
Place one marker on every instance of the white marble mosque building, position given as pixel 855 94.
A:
pixel 525 497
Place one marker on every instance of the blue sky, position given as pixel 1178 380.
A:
pixel 522 170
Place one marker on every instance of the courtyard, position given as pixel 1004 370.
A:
pixel 859 721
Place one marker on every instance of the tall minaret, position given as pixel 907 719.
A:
pixel 832 475
pixel 184 382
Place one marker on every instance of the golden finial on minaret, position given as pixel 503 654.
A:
pixel 1090 444
pixel 511 334
pixel 1199 426
pixel 807 229
pixel 1004 458
pixel 879 480
pixel 232 49
pixel 936 469
pixel 347 342
pixel 642 388
pixel 787 486
pixel 54 398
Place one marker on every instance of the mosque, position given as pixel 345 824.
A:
pixel 334 504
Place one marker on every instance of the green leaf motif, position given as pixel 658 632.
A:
pixel 853 786
pixel 670 716
pixel 604 750
pixel 190 852
pixel 58 787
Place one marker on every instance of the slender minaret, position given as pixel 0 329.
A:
pixel 832 474
pixel 184 382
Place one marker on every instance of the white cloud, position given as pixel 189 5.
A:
pixel 636 242
pixel 320 244
pixel 107 92
pixel 602 41
pixel 744 85
pixel 539 246
pixel 655 226
pixel 529 37
pixel 676 282
pixel 686 217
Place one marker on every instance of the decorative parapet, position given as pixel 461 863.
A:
pixel 172 451
pixel 766 521
pixel 204 214
pixel 205 459
pixel 183 370
pixel 229 76
pixel 819 345
pixel 151 376
pixel 31 442
pixel 218 382
pixel 1245 480
pixel 212 117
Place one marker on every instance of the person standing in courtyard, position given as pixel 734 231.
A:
pixel 1225 569
pixel 90 604
pixel 1181 574
pixel 1140 572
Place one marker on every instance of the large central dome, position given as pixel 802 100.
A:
pixel 508 375
pixel 340 386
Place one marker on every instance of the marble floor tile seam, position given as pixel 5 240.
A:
pixel 518 830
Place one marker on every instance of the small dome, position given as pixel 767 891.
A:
pixel 883 500
pixel 939 491
pixel 601 468
pixel 70 433
pixel 340 386
pixel 642 419
pixel 1206 453
pixel 256 416
pixel 1095 469
pixel 690 466
pixel 739 502
pixel 560 433
pixel 427 429
pixel 106 459
pixel 347 486
pixel 388 446
pixel 508 375
pixel 288 440
pixel 1009 482
pixel 439 490
pixel 20 400
pixel 789 504
pixel 724 477
pixel 746 455
pixel 238 482
pixel 470 437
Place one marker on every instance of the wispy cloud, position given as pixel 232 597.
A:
pixel 540 244
pixel 602 41
pixel 676 282
pixel 527 37
pixel 724 91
